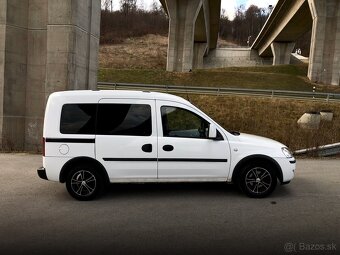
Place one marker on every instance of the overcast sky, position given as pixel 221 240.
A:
pixel 228 5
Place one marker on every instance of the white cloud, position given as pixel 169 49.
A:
pixel 145 4
pixel 260 3
pixel 116 5
pixel 229 6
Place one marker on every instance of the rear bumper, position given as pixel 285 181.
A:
pixel 42 173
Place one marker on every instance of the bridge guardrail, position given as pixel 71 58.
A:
pixel 221 91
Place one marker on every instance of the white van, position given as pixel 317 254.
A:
pixel 93 138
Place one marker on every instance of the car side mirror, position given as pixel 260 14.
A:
pixel 212 132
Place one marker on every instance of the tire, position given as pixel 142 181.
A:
pixel 84 183
pixel 258 180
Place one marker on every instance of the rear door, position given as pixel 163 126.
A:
pixel 126 138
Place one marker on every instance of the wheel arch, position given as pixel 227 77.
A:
pixel 256 158
pixel 82 160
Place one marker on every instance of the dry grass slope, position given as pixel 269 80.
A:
pixel 147 52
pixel 273 118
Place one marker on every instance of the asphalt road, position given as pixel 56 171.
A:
pixel 39 217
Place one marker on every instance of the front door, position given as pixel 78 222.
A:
pixel 184 150
pixel 126 138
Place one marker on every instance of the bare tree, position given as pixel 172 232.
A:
pixel 106 4
pixel 128 6
pixel 155 6
pixel 116 26
pixel 246 25
pixel 255 18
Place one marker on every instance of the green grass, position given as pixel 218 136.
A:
pixel 286 77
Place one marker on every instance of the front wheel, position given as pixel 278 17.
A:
pixel 84 183
pixel 258 180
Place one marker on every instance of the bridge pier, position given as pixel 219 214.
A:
pixel 199 51
pixel 281 52
pixel 45 46
pixel 182 18
pixel 324 59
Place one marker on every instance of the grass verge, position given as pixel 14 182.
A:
pixel 286 77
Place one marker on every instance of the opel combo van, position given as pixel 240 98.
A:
pixel 93 138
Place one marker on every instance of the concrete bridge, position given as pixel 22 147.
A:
pixel 194 27
pixel 289 20
pixel 49 45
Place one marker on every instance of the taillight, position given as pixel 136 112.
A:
pixel 43 146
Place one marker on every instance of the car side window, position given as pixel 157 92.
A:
pixel 124 119
pixel 78 119
pixel 179 122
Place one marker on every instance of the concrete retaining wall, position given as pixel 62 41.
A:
pixel 226 57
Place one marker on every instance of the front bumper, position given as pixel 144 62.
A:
pixel 42 173
pixel 288 166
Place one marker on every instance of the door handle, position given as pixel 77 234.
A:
pixel 168 147
pixel 147 147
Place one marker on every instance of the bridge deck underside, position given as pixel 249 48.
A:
pixel 298 24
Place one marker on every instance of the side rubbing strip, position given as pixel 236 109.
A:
pixel 193 159
pixel 167 159
pixel 69 140
pixel 129 159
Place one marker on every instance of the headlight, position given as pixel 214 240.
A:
pixel 287 152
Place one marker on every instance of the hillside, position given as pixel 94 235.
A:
pixel 147 52
pixel 143 60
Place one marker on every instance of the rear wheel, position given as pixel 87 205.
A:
pixel 84 183
pixel 258 180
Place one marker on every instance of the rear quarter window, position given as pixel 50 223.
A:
pixel 78 119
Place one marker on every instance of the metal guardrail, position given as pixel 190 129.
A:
pixel 221 91
pixel 322 151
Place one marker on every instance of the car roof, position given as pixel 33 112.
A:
pixel 96 95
